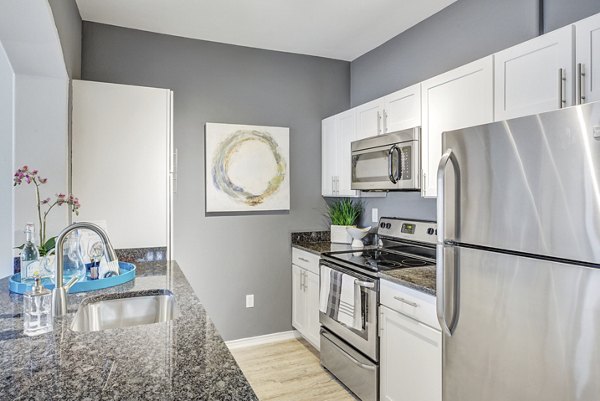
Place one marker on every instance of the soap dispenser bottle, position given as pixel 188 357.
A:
pixel 37 310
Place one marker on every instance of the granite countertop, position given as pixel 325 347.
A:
pixel 418 278
pixel 185 359
pixel 317 242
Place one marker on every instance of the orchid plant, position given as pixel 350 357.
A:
pixel 44 206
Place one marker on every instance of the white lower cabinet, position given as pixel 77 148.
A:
pixel 410 355
pixel 305 296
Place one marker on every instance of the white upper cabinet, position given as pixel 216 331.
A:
pixel 459 98
pixel 337 134
pixel 535 76
pixel 346 133
pixel 369 119
pixel 588 59
pixel 328 156
pixel 402 109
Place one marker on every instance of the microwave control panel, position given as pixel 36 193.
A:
pixel 405 162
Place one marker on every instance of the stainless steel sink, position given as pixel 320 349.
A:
pixel 123 310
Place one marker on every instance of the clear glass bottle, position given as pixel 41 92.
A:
pixel 30 265
pixel 37 310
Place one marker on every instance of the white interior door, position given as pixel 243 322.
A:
pixel 121 160
pixel 535 76
pixel 587 33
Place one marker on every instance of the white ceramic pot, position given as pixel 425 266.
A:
pixel 340 235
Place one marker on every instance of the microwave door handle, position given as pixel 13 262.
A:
pixel 390 169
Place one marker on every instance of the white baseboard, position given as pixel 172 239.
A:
pixel 260 340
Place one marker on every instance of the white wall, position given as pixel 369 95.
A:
pixel 33 117
pixel 6 163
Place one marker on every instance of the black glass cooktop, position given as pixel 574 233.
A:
pixel 379 259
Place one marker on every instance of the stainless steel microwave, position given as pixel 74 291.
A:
pixel 390 162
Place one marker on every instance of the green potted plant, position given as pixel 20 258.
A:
pixel 343 213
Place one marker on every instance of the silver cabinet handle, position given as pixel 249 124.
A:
pixel 413 304
pixel 424 184
pixel 385 129
pixel 580 83
pixel 562 82
pixel 378 123
pixel 304 260
pixel 448 157
pixel 365 284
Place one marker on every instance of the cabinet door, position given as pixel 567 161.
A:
pixel 411 359
pixel 456 99
pixel 345 133
pixel 369 119
pixel 535 76
pixel 587 32
pixel 298 300
pixel 328 156
pixel 312 309
pixel 402 109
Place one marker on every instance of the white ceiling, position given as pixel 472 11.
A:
pixel 339 29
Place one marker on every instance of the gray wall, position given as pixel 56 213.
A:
pixel 227 257
pixel 465 31
pixel 68 23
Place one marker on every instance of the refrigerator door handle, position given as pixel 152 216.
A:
pixel 448 157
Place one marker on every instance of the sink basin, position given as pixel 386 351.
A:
pixel 125 309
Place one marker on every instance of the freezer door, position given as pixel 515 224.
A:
pixel 530 184
pixel 524 330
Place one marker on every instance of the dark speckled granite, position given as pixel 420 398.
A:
pixel 184 359
pixel 418 278
pixel 311 236
pixel 316 242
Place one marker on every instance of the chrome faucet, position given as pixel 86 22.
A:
pixel 59 293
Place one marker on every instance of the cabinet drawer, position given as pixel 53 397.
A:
pixel 306 260
pixel 409 302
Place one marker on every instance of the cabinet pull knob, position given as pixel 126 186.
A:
pixel 304 260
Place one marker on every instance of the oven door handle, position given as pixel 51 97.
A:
pixel 364 284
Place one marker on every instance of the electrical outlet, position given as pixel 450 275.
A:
pixel 250 301
pixel 374 215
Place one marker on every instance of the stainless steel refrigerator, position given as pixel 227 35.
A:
pixel 519 258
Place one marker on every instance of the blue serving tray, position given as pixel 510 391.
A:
pixel 127 274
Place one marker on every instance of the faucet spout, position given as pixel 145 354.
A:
pixel 59 294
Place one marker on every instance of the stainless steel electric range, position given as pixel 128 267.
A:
pixel 349 299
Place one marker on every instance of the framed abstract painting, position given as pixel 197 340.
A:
pixel 247 168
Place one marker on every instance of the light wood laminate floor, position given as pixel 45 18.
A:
pixel 290 371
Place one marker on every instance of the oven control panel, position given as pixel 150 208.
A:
pixel 414 230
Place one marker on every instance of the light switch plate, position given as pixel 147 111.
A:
pixel 374 215
pixel 250 301
pixel 596 132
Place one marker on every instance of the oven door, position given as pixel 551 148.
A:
pixel 389 167
pixel 348 307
